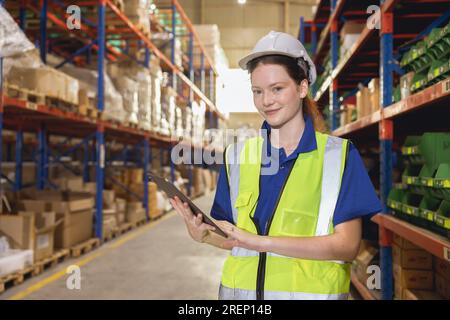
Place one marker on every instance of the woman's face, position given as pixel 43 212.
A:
pixel 275 94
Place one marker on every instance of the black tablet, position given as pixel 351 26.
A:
pixel 173 191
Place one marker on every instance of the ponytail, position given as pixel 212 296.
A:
pixel 311 109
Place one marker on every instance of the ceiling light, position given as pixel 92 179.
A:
pixel 242 1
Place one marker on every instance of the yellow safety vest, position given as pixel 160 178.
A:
pixel 305 208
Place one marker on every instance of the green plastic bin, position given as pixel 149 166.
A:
pixel 427 210
pixel 411 150
pixel 442 219
pixel 395 202
pixel 441 182
pixel 419 82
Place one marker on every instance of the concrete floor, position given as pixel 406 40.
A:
pixel 157 261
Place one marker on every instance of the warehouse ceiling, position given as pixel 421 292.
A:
pixel 242 25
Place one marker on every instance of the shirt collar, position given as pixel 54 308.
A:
pixel 307 143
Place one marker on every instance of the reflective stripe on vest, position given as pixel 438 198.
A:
pixel 232 154
pixel 226 293
pixel 242 252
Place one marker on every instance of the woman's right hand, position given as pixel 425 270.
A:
pixel 198 230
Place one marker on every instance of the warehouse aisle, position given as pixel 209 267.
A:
pixel 157 261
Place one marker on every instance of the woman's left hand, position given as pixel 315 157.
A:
pixel 241 238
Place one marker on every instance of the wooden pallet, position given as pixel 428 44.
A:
pixel 92 113
pixel 84 247
pixel 37 268
pixel 58 257
pixel 112 234
pixel 14 91
pixel 139 223
pixel 125 227
pixel 61 104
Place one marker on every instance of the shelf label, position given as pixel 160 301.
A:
pixel 102 156
pixel 446 253
pixel 446 86
pixel 31 105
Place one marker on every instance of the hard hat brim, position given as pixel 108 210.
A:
pixel 244 61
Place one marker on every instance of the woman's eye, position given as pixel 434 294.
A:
pixel 276 89
pixel 256 92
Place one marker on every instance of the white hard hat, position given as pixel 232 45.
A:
pixel 280 43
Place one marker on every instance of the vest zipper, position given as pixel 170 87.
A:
pixel 261 276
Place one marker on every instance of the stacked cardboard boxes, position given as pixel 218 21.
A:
pixel 33 230
pixel 368 256
pixel 47 81
pixel 363 102
pixel 135 212
pixel 374 94
pixel 412 268
pixel 73 208
pixel 442 277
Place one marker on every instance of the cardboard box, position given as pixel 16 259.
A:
pixel 363 102
pixel 134 206
pixel 108 198
pixel 398 290
pixel 366 258
pixel 19 230
pixel 413 279
pixel 76 227
pixel 351 27
pixel 442 268
pixel 374 91
pixel 403 243
pixel 135 215
pixel 412 258
pixel 90 187
pixel 442 286
pixel 47 81
pixel 410 294
pixel 133 176
pixel 121 205
pixel 31 230
pixel 120 218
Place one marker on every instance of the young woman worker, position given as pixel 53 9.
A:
pixel 292 231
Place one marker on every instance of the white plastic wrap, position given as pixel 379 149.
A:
pixel 168 106
pixel 143 81
pixel 198 111
pixel 12 40
pixel 88 81
pixel 28 59
pixel 138 12
pixel 156 79
pixel 128 89
pixel 15 260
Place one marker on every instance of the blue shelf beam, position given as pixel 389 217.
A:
pixel 99 178
pixel 386 141
pixel 42 166
pixel 101 56
pixel 43 30
pixel 19 148
pixel 146 167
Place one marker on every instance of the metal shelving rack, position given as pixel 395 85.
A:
pixel 81 47
pixel 374 55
